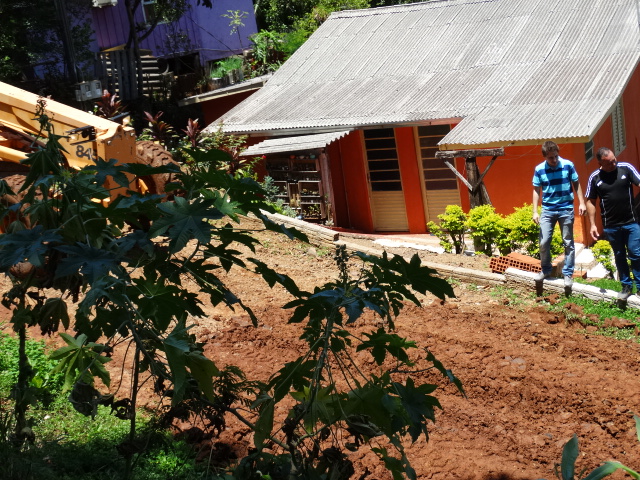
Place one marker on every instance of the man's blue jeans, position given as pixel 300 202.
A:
pixel 625 240
pixel 548 220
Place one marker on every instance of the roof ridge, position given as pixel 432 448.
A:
pixel 367 12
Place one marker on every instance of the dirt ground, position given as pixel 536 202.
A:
pixel 532 379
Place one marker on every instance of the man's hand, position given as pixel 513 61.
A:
pixel 594 233
pixel 582 209
pixel 536 218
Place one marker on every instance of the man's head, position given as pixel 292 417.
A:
pixel 606 159
pixel 550 151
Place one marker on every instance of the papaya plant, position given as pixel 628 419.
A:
pixel 64 244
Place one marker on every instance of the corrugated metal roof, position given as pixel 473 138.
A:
pixel 511 71
pixel 293 144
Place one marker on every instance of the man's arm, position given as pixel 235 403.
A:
pixel 591 211
pixel 536 198
pixel 582 209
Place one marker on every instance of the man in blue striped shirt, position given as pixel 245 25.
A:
pixel 554 181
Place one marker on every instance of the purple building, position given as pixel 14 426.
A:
pixel 186 47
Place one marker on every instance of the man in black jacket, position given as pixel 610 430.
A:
pixel 612 182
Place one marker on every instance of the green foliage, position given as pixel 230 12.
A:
pixel 369 407
pixel 225 66
pixel 216 149
pixel 298 19
pixel 158 130
pixel 267 53
pixel 594 313
pixel 603 254
pixel 40 363
pixel 271 196
pixel 451 229
pixel 524 234
pixel 490 230
pixel 486 227
pixel 32 37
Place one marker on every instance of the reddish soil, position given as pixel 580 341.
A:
pixel 532 379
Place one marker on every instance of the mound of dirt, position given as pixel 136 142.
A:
pixel 532 379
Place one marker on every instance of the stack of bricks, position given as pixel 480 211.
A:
pixel 515 260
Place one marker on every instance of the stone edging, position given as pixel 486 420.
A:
pixel 512 277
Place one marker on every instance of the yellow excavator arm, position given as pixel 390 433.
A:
pixel 87 136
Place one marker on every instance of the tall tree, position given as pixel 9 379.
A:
pixel 32 40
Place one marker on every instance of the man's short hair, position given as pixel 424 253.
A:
pixel 602 151
pixel 550 147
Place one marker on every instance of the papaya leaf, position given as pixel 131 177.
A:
pixel 142 170
pixel 264 424
pixel 176 347
pixel 182 221
pixel 53 311
pixel 203 370
pixel 272 277
pixel 109 168
pixel 293 375
pixel 381 343
pixel 418 405
pixel 29 245
pixel 79 358
pixel 291 233
pixel 92 263
pixel 398 467
pixel 446 372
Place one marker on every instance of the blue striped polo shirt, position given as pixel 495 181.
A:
pixel 555 184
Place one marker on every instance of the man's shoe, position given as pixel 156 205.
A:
pixel 626 292
pixel 542 276
pixel 568 281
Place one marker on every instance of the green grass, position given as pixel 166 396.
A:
pixel 70 446
pixel 74 447
pixel 514 298
pixel 606 283
pixel 603 310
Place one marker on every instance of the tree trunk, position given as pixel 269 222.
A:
pixel 478 194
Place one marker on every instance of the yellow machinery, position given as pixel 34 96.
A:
pixel 87 137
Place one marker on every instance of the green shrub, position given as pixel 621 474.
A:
pixel 524 234
pixel 485 226
pixel 516 231
pixel 226 65
pixel 603 253
pixel 451 230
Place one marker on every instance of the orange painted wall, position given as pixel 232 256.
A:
pixel 355 177
pixel 410 175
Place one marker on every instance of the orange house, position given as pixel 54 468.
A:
pixel 373 94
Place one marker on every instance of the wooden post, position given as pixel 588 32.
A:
pixel 478 194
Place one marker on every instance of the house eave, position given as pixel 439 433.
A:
pixel 513 143
pixel 311 130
